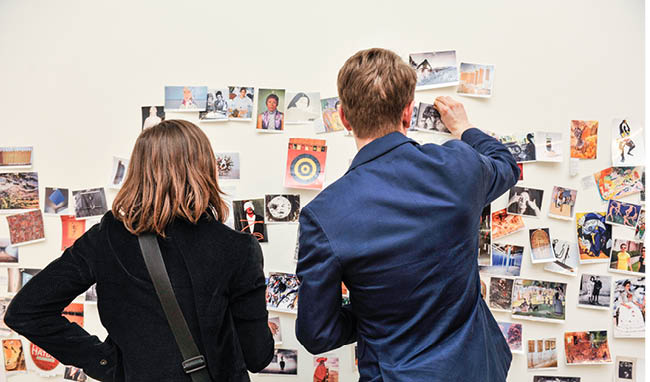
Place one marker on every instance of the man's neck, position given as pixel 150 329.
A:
pixel 361 142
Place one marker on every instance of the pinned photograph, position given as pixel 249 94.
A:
pixel 41 360
pixel 16 157
pixel 628 148
pixel 276 331
pixel 71 229
pixel 476 80
pixel 594 237
pixel 284 361
pixel 414 117
pixel 72 373
pixel 553 378
pixel 14 355
pixel 282 292
pixel 504 224
pixel 563 202
pixel 91 294
pixel 18 277
pixel 618 182
pixel 56 201
pixel 539 300
pixel 216 107
pixel 345 294
pixel 584 139
pixel 639 230
pixel 513 333
pixel 429 119
pixel 18 191
pixel 567 258
pixel 542 354
pixel 595 291
pixel 152 115
pixel 74 312
pixel 525 201
pixel 629 308
pixel 548 146
pixel 500 293
pixel 331 118
pixel 540 246
pixel 26 228
pixel 4 304
pixel 628 257
pixel 326 368
pixel 622 214
pixel 185 98
pixel 521 171
pixel 302 108
pixel 587 348
pixel 89 203
pixel 282 208
pixel 434 69
pixel 228 165
pixel 521 146
pixel 305 163
pixel 506 260
pixel 8 253
pixel 625 369
pixel 249 218
pixel 270 110
pixel 484 237
pixel 240 103
pixel 120 165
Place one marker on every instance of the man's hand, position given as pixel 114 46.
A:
pixel 453 115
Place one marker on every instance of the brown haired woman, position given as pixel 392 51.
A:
pixel 217 274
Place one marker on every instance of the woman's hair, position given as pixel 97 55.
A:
pixel 296 98
pixel 172 173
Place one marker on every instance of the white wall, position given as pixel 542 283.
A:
pixel 74 75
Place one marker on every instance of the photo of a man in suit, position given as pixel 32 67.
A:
pixel 246 220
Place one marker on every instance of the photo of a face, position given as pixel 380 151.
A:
pixel 282 208
pixel 270 110
pixel 216 107
pixel 249 218
pixel 627 257
pixel 240 103
pixel 434 69
pixel 429 119
pixel 595 291
pixel 302 107
pixel 563 201
pixel 14 355
pixel 628 308
pixel 476 80
pixel 628 146
pixel 525 201
pixel 584 139
pixel 185 98
pixel 152 115
pixel 56 201
pixel 331 118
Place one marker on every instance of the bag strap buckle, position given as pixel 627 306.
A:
pixel 193 364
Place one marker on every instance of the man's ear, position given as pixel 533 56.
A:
pixel 347 125
pixel 407 114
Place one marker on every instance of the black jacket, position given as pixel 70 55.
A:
pixel 217 275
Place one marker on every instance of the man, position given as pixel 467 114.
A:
pixel 252 223
pixel 595 293
pixel 400 229
pixel 624 259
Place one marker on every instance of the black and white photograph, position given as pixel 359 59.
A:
pixel 429 119
pixel 525 201
pixel 567 258
pixel 548 378
pixel 302 108
pixel 120 165
pixel 91 294
pixel 435 69
pixel 283 208
pixel 89 203
pixel 216 108
pixel 521 146
pixel 228 165
pixel 249 218
pixel 595 291
pixel 56 201
pixel 285 361
pixel 152 115
pixel 625 369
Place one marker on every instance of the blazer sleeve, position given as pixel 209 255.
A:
pixel 323 323
pixel 499 168
pixel 248 309
pixel 35 312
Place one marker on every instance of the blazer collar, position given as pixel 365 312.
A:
pixel 379 147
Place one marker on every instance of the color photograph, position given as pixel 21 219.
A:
pixel 302 108
pixel 434 69
pixel 504 224
pixel 26 228
pixel 584 139
pixel 540 246
pixel 594 237
pixel 276 330
pixel 72 373
pixel 525 201
pixel 567 258
pixel 429 119
pixel 500 294
pixel 89 203
pixel 4 304
pixel 228 165
pixel 270 110
pixel 622 214
pixel 249 218
pixel 284 361
pixel 542 354
pixel 563 202
pixel 326 368
pixel 71 229
pixel 18 191
pixel 595 291
pixel 16 157
pixel 476 80
pixel 639 230
pixel 484 237
pixel 14 355
pixel 521 146
pixel 120 165
pixel 548 146
pixel 305 163
pixel 539 300
pixel 216 107
pixel 513 333
pixel 185 98
pixel 587 348
pixel 282 208
pixel 8 253
pixel 240 103
pixel 618 182
pixel 553 378
pixel 152 115
pixel 282 292
pixel 56 201
pixel 628 146
pixel 629 308
pixel 505 260
pixel 628 257
pixel 331 119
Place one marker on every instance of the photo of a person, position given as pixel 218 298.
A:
pixel 152 115
pixel 248 220
pixel 429 119
pixel 629 308
pixel 240 106
pixel 185 98
pixel 331 118
pixel 525 201
pixel 595 291
pixel 303 107
pixel 216 108
pixel 270 115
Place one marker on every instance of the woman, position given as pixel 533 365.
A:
pixel 629 317
pixel 217 274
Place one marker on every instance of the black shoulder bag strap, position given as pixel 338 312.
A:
pixel 194 363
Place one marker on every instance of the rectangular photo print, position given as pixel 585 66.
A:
pixel 539 300
pixel 525 201
pixel 540 246
pixel 618 182
pixel 8 253
pixel 326 368
pixel 276 330
pixel 90 297
pixel 506 260
pixel 521 146
pixel 249 218
pixel 548 146
pixel 152 115
pixel 485 237
pixel 567 258
pixel 639 230
pixel 629 308
pixel 71 229
pixel 89 203
pixel 26 228
pixel 513 333
pixel 216 107
pixel 331 118
pixel 434 69
pixel 228 165
pixel 625 369
pixel 554 378
pixel 476 80
pixel 19 277
pixel 16 157
pixel 587 348
pixel 595 291
pixel 305 163
pixel 628 146
pixel 429 119
pixel 120 165
pixel 302 108
pixel 584 139
pixel 594 237
pixel 504 224
pixel 282 208
pixel 240 103
pixel 628 257
pixel 282 292
pixel 18 191
pixel 622 214
pixel 542 354
pixel 284 361
pixel 270 110
pixel 14 355
pixel 185 98
pixel 500 293
pixel 56 201
pixel 563 202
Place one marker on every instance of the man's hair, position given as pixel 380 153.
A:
pixel 172 174
pixel 375 85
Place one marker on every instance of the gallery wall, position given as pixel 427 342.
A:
pixel 74 75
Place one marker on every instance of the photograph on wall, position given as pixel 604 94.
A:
pixel 525 201
pixel 18 277
pixel 74 312
pixel 185 98
pixel 4 304
pixel 14 355
pixel 270 110
pixel 8 253
pixel 622 214
pixel 504 224
pixel 228 165
pixel 305 163
pixel 521 146
pixel 500 293
pixel 18 191
pixel 587 348
pixel 548 146
pixel 331 118
pixel 434 69
pixel 345 294
pixel 326 368
pixel 554 378
pixel 639 230
pixel 476 80
pixel 542 354
pixel 505 260
pixel 595 291
pixel 618 182
pixel 567 258
pixel 89 203
pixel 276 330
pixel 540 246
pixel 628 308
pixel 71 229
pixel 539 300
pixel 513 333
pixel 16 157
pixel 283 208
pixel 302 108
pixel 56 201
pixel 628 257
pixel 282 292
pixel 249 218
pixel 26 228
pixel 429 119
pixel 41 361
pixel 414 117
pixel 484 237
pixel 91 294
pixel 72 373
pixel 584 139
pixel 625 369
pixel 120 165
pixel 284 361
pixel 594 237
pixel 152 115
pixel 216 107
pixel 521 171
pixel 628 146
pixel 563 202
pixel 240 103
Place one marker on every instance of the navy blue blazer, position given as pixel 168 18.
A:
pixel 400 229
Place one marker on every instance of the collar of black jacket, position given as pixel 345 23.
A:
pixel 379 147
